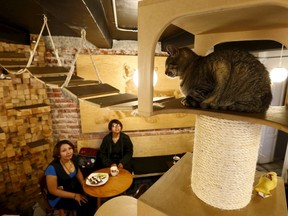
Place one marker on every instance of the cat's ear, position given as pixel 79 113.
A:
pixel 172 50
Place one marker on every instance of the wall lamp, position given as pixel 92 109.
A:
pixel 136 78
pixel 279 74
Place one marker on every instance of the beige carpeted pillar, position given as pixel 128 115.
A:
pixel 224 161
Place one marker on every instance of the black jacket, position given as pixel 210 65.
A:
pixel 106 149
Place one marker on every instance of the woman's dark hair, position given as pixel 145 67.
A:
pixel 56 151
pixel 114 121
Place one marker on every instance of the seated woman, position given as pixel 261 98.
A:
pixel 64 181
pixel 116 147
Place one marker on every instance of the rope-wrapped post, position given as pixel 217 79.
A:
pixel 224 161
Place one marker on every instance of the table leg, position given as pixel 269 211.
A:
pixel 98 202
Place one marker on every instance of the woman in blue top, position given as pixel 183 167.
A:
pixel 64 180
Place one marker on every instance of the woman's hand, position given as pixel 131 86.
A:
pixel 79 198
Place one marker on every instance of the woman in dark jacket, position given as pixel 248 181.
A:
pixel 116 148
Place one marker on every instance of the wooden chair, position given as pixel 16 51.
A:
pixel 44 200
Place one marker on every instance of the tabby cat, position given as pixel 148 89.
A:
pixel 228 79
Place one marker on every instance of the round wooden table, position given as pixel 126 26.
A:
pixel 114 186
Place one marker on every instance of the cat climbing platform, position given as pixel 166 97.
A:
pixel 53 76
pixel 153 203
pixel 275 116
pixel 48 71
pixel 100 94
pixel 112 99
pixel 59 80
pixel 213 22
pixel 92 90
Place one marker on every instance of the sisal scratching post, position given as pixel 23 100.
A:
pixel 224 161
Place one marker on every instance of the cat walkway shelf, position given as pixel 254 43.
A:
pixel 275 116
pixel 92 90
pixel 112 99
pixel 48 71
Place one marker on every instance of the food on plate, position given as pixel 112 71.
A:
pixel 96 179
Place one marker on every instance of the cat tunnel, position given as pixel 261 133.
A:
pixel 224 161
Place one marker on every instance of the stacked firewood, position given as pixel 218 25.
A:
pixel 25 139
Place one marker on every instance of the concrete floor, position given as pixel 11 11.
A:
pixel 275 166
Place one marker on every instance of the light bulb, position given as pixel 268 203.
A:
pixel 278 74
pixel 136 78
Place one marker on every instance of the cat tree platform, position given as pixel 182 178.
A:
pixel 211 22
pixel 275 116
pixel 172 195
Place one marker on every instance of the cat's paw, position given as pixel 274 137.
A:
pixel 190 102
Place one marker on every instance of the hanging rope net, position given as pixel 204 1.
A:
pixel 32 53
pixel 45 24
pixel 83 44
pixel 224 161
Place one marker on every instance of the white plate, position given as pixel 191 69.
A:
pixel 105 177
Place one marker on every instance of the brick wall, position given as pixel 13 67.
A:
pixel 66 115
pixel 65 110
pixel 19 167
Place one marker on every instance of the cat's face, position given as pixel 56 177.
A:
pixel 178 60
pixel 171 67
pixel 172 61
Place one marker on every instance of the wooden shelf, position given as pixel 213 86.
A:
pixel 275 116
pixel 134 104
pixel 12 55
pixel 32 109
pixel 8 64
pixel 59 80
pixel 74 83
pixel 180 199
pixel 13 69
pixel 92 90
pixel 38 146
pixel 112 99
pixel 48 71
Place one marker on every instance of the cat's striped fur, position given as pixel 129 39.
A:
pixel 228 79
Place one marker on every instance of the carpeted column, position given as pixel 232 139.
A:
pixel 224 161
